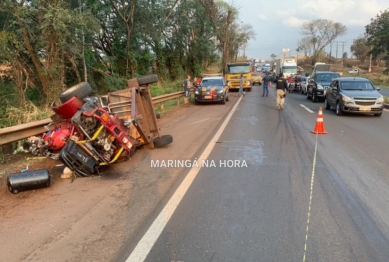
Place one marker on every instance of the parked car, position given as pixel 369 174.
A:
pixel 304 85
pixel 353 71
pixel 354 95
pixel 212 89
pixel 318 84
pixel 256 78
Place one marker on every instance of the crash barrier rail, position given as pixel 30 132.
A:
pixel 19 132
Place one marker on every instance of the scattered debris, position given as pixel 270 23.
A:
pixel 28 180
pixel 67 173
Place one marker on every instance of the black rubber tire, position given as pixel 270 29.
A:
pixel 327 106
pixel 227 99
pixel 339 111
pixel 223 102
pixel 162 141
pixel 81 90
pixel 314 97
pixel 147 79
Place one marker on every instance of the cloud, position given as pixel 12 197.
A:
pixel 262 17
pixel 293 22
pixel 347 12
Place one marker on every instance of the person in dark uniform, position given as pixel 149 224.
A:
pixel 281 89
pixel 266 80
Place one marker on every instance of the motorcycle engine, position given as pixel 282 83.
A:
pixel 104 144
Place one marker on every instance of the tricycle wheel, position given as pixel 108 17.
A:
pixel 80 90
pixel 147 80
pixel 162 141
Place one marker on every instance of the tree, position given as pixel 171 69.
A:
pixel 344 56
pixel 273 56
pixel 42 38
pixel 222 16
pixel 321 33
pixel 305 45
pixel 239 36
pixel 360 49
pixel 377 33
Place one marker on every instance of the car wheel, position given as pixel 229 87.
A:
pixel 162 141
pixel 327 106
pixel 314 97
pixel 147 79
pixel 378 114
pixel 223 102
pixel 227 99
pixel 80 90
pixel 339 110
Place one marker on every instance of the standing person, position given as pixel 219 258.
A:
pixel 241 85
pixel 281 87
pixel 266 81
pixel 186 85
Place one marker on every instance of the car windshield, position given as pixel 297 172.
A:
pixel 239 69
pixel 355 85
pixel 326 77
pixel 212 82
pixel 255 74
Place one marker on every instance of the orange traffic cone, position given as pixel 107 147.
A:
pixel 319 128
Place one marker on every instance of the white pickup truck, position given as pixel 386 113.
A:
pixel 354 71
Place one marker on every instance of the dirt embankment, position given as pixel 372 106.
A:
pixel 97 218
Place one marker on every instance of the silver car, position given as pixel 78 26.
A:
pixel 354 95
pixel 304 85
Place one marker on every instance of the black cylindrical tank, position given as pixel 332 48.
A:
pixel 28 180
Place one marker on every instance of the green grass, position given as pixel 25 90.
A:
pixel 166 88
pixel 168 106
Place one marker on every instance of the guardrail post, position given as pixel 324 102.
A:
pixel 162 107
pixel 178 101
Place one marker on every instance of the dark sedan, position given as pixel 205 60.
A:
pixel 212 89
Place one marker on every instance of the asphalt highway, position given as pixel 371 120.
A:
pixel 278 192
pixel 384 91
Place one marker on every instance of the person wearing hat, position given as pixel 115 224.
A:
pixel 281 89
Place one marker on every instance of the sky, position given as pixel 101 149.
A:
pixel 277 23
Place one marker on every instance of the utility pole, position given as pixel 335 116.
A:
pixel 337 50
pixel 342 51
pixel 371 57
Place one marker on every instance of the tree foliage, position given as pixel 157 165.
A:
pixel 377 33
pixel 360 49
pixel 51 45
pixel 321 33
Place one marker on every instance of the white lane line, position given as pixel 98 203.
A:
pixel 310 200
pixel 144 246
pixel 306 108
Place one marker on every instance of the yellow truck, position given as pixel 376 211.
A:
pixel 233 72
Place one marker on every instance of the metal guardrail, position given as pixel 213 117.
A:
pixel 16 133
